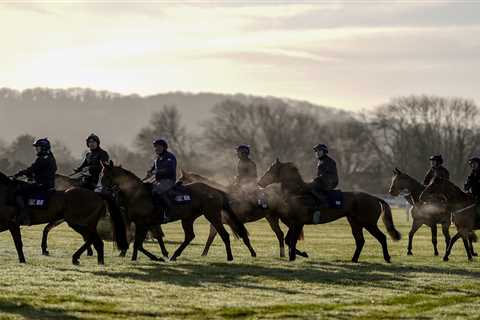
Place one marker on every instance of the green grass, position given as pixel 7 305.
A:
pixel 324 286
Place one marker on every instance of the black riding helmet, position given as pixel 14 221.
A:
pixel 321 146
pixel 243 147
pixel 42 143
pixel 474 159
pixel 93 137
pixel 160 142
pixel 437 158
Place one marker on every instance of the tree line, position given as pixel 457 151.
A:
pixel 402 133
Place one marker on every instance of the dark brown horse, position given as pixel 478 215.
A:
pixel 80 208
pixel 422 214
pixel 463 208
pixel 362 210
pixel 63 183
pixel 246 208
pixel 206 201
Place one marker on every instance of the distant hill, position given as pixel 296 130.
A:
pixel 71 114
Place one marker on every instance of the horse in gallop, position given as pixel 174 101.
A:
pixel 205 200
pixel 362 210
pixel 463 208
pixel 421 214
pixel 63 183
pixel 80 208
pixel 247 208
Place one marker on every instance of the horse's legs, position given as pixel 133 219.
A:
pixel 450 246
pixel 187 226
pixel 17 239
pixel 158 234
pixel 211 237
pixel 433 228
pixel 98 244
pixel 357 232
pixel 470 240
pixel 446 233
pixel 140 234
pixel 295 232
pixel 273 221
pixel 382 238
pixel 415 226
pixel 80 251
pixel 466 243
pixel 46 230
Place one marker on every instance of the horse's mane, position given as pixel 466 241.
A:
pixel 294 169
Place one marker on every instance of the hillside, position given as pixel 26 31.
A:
pixel 71 114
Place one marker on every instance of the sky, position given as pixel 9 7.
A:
pixel 347 54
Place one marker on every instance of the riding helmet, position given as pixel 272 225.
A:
pixel 321 146
pixel 244 147
pixel 437 158
pixel 42 143
pixel 160 142
pixel 93 137
pixel 474 159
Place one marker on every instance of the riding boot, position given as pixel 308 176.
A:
pixel 168 215
pixel 23 217
pixel 321 201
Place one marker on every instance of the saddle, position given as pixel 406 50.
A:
pixel 178 194
pixel 39 199
pixel 330 199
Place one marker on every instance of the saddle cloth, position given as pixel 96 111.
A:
pixel 39 199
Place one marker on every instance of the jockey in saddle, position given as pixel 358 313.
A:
pixel 164 170
pixel 246 179
pixel 92 162
pixel 42 172
pixel 327 177
pixel 472 184
pixel 437 170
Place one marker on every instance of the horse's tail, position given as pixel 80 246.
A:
pixel 388 220
pixel 235 224
pixel 119 229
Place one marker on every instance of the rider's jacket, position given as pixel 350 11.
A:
pixel 327 175
pixel 165 167
pixel 42 171
pixel 473 183
pixel 246 171
pixel 436 172
pixel 92 161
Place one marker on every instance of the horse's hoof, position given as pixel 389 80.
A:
pixel 409 253
pixel 436 253
pixel 173 259
pixel 75 262
pixel 122 254
pixel 165 254
pixel 101 263
pixel 22 261
pixel 445 258
pixel 474 254
pixel 355 260
pixel 254 254
pixel 470 259
pixel 388 260
pixel 45 253
pixel 89 253
pixel 229 258
pixel 159 259
pixel 204 254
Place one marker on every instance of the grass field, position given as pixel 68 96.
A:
pixel 324 286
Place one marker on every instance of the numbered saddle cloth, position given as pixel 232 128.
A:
pixel 39 199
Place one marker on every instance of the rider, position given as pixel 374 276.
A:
pixel 165 171
pixel 473 181
pixel 93 162
pixel 246 167
pixel 437 170
pixel 42 172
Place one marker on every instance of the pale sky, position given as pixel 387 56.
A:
pixel 347 54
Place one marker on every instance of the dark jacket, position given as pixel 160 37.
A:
pixel 165 167
pixel 473 183
pixel 246 171
pixel 42 171
pixel 327 175
pixel 92 161
pixel 440 172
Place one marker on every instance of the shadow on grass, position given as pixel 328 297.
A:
pixel 29 311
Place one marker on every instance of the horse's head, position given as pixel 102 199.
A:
pixel 440 190
pixel 272 175
pixel 400 182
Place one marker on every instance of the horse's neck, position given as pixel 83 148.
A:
pixel 132 189
pixel 415 189
pixel 292 182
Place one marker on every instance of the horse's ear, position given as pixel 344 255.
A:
pixel 277 160
pixel 397 171
pixel 110 163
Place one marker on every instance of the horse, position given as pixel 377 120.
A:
pixel 463 207
pixel 63 183
pixel 247 209
pixel 362 210
pixel 80 208
pixel 436 214
pixel 205 200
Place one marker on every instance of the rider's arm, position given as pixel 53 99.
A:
pixel 83 165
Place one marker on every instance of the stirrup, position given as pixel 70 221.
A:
pixel 316 217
